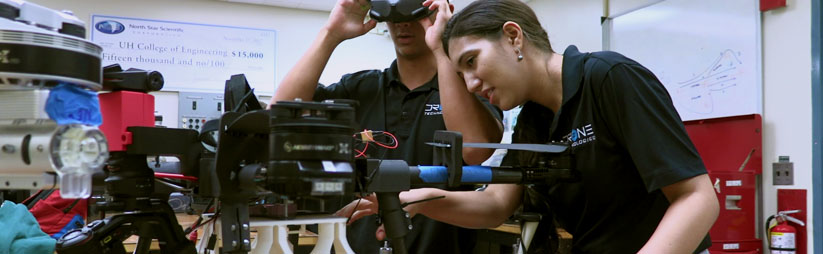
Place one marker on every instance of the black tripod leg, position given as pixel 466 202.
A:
pixel 169 233
pixel 395 220
pixel 144 234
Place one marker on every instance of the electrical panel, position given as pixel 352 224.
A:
pixel 197 108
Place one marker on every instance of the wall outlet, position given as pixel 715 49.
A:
pixel 783 171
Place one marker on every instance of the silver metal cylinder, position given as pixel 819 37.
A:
pixel 31 148
pixel 24 146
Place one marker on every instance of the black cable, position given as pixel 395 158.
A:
pixel 213 217
pixel 216 216
pixel 199 218
pixel 243 100
pixel 353 210
pixel 403 205
pixel 172 184
pixel 380 161
pixel 393 140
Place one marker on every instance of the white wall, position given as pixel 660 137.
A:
pixel 787 101
pixel 296 29
pixel 571 22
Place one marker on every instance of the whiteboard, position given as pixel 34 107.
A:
pixel 706 53
pixel 192 57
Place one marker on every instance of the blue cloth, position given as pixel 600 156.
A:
pixel 21 233
pixel 70 104
pixel 76 222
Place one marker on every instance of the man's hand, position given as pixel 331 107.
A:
pixel 346 20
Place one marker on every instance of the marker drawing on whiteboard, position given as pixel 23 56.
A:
pixel 697 92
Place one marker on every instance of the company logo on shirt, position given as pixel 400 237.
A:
pixel 581 135
pixel 110 27
pixel 433 109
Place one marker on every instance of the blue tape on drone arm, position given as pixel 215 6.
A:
pixel 433 174
pixel 70 104
pixel 471 174
pixel 476 174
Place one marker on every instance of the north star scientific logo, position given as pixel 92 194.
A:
pixel 433 109
pixel 581 135
pixel 110 27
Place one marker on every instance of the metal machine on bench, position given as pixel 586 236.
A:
pixel 306 151
pixel 45 62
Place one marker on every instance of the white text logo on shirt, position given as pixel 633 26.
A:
pixel 433 109
pixel 581 135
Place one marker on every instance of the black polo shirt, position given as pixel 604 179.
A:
pixel 412 116
pixel 628 142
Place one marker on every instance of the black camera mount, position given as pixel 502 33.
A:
pixel 130 182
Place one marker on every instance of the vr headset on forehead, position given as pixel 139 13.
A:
pixel 397 11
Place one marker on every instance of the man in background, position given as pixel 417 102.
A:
pixel 417 95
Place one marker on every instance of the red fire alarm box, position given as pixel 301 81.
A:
pixel 766 5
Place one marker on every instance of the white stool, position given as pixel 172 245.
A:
pixel 272 235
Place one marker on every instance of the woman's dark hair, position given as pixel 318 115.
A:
pixel 485 19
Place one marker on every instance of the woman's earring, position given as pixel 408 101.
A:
pixel 519 54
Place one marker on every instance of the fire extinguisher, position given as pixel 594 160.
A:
pixel 782 236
